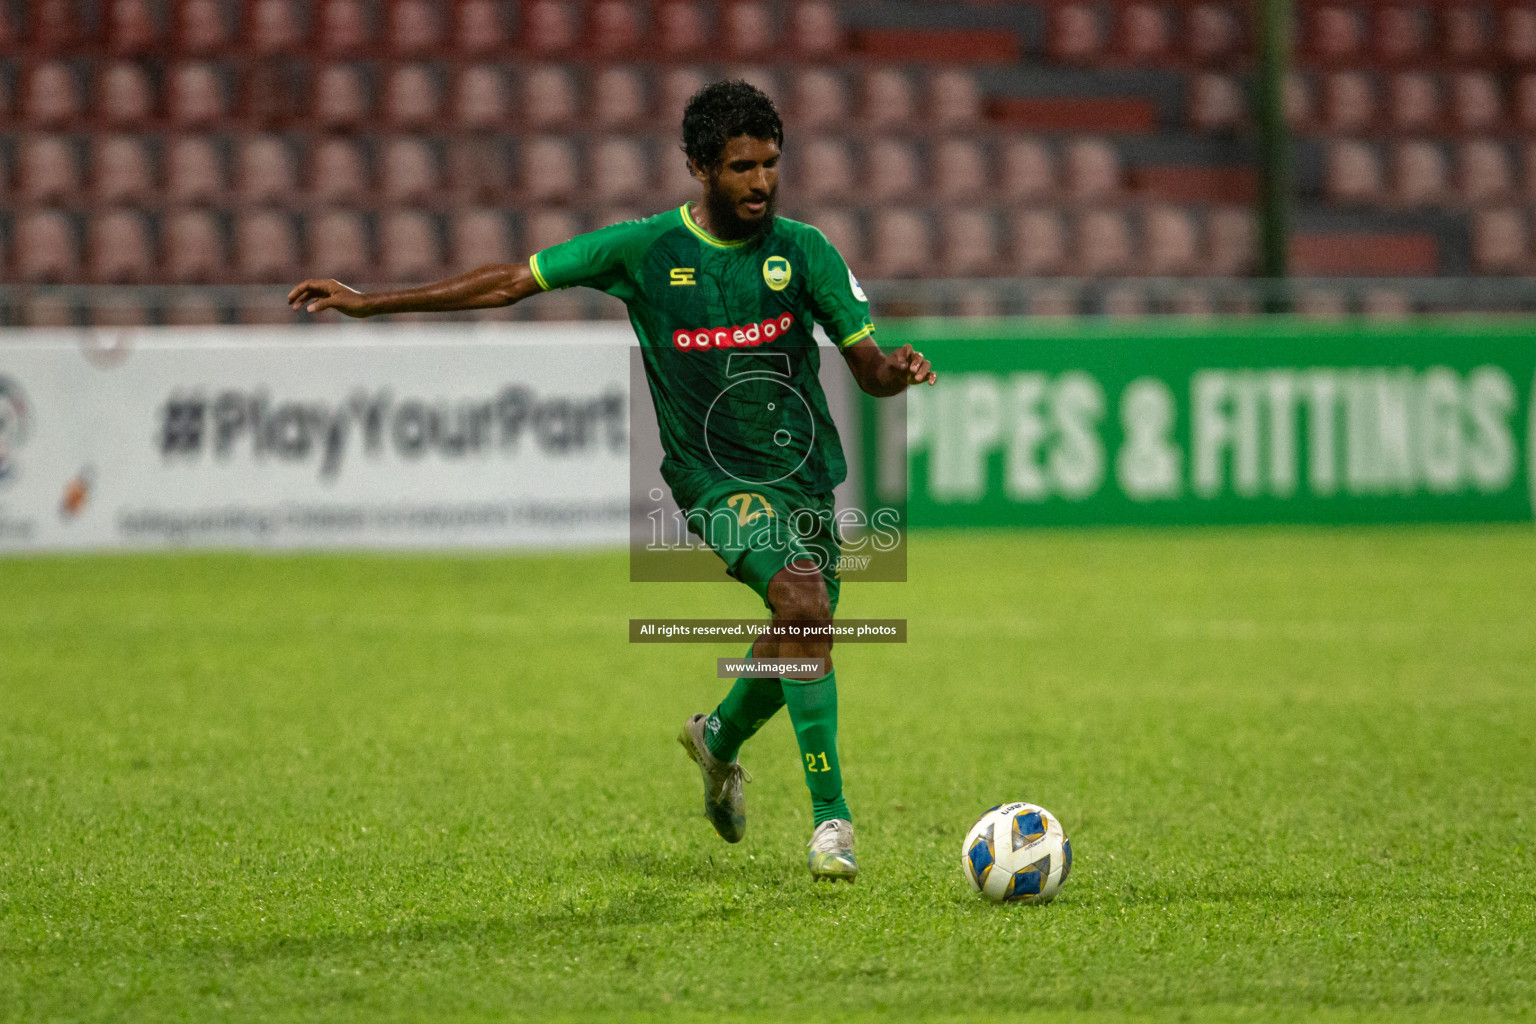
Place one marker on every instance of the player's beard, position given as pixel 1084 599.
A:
pixel 728 224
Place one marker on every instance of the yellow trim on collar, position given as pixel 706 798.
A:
pixel 705 236
pixel 533 265
pixel 856 336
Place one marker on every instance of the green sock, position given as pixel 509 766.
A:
pixel 813 709
pixel 745 709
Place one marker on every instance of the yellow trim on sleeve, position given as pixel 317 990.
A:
pixel 856 336
pixel 533 265
pixel 705 236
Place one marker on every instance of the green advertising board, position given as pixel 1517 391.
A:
pixel 1174 422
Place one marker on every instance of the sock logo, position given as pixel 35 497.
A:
pixel 712 723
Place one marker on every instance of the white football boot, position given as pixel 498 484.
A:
pixel 831 856
pixel 724 804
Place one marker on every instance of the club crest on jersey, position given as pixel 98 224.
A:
pixel 733 337
pixel 777 272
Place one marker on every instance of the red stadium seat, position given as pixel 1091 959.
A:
pixel 550 227
pixel 677 182
pixel 338 172
pixel 1192 300
pixel 117 309
pixel 480 97
pixel 820 100
pixel 341 96
pixel 131 26
pixel 410 247
pixel 1484 171
pixel 55 24
pixel 1518 34
pixel 1124 301
pixel 1500 241
pixel 344 27
pixel 273 26
pixel 747 28
pixel 1170 242
pixel 682 28
pixel 1145 33
pixel 549 96
pixel 1054 301
pixel 1349 101
pixel 1215 32
pixel 479 28
pixel 822 170
pixel 124 94
pixel 619 170
pixel 1028 170
pixel 902 244
pixel 1525 103
pixel 121 170
pixel 891 170
pixel 618 97
pixel 550 27
pixel 960 171
pixel 201 26
pixel 814 30
pixel 842 229
pixel 1413 102
pixel 48 311
pixel 550 172
pixel 1401 34
pixel 1476 105
pixel 195 95
pixel 415 27
pixel 954 99
pixel 1039 243
pixel 266 248
pixel 194 310
pixel 1386 304
pixel 1216 103
pixel 677 86
pixel 266 170
pixel 194 171
pixel 409 171
pixel 1352 174
pixel 1529 176
pixel 1419 176
pixel 275 92
pixel 1297 98
pixel 192 247
pixel 1337 34
pixel 338 244
pixel 51 97
pixel 1322 303
pixel 480 237
pixel 1091 169
pixel 477 169
pixel 120 252
pixel 761 76
pixel 1076 34
pixel 615 29
pixel 1464 32
pixel 48 170
pixel 1102 244
pixel 887 99
pixel 969 244
pixel 1234 245
pixel 412 97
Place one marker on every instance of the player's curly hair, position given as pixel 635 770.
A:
pixel 721 111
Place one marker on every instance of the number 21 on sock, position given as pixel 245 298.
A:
pixel 810 762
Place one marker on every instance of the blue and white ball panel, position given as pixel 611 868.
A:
pixel 1017 853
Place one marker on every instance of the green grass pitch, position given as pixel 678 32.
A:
pixel 1298 768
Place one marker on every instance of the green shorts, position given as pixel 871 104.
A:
pixel 758 531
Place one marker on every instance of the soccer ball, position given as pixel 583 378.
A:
pixel 1017 853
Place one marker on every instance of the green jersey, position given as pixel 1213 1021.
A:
pixel 725 333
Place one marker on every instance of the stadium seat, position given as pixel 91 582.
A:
pixel 960 171
pixel 969 244
pixel 1484 172
pixel 1528 178
pixel 1317 303
pixel 1053 301
pixel 409 171
pixel 677 182
pixel 274 92
pixel 410 247
pixel 682 28
pixel 1124 301
pixel 549 96
pixel 902 245
pixel 194 310
pixel 618 97
pixel 45 247
pixel 1500 241
pixel 975 302
pixel 1349 101
pixel 266 170
pixel 1091 169
pixel 954 99
pixel 131 26
pixel 48 169
pixel 550 227
pixel 1476 105
pixel 119 250
pixel 266 249
pixel 341 96
pixel 200 27
pixel 819 100
pixel 1233 240
pixel 1215 32
pixel 194 170
pixel 1075 34
pixel 619 171
pixel 1216 103
pixel 1525 103
pixel 192 247
pixel 337 244
pixel 119 309
pixel 1413 102
pixel 761 76
pixel 338 172
pixel 195 96
pixel 55 25
pixel 1401 34
pixel 124 95
pixel 550 27
pixel 51 97
pixel 1145 33
pixel 842 229
pixel 1464 32
pixel 1027 170
pixel 121 170
pixel 480 97
pixel 1352 174
pixel 615 29
pixel 814 30
pixel 1386 304
pixel 479 28
pixel 1102 243
pixel 550 172
pixel 1170 242
pixel 1419 175
pixel 344 27
pixel 412 97
pixel 891 170
pixel 1336 34
pixel 415 27
pixel 677 86
pixel 477 169
pixel 886 99
pixel 1192 301
pixel 272 26
pixel 1039 242
pixel 1518 33
pixel 1297 98
pixel 479 237
pixel 747 29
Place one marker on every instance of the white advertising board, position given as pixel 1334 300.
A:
pixel 352 436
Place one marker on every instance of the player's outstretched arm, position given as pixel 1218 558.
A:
pixel 499 284
pixel 883 374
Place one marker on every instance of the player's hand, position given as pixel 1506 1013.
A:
pixel 317 294
pixel 913 364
